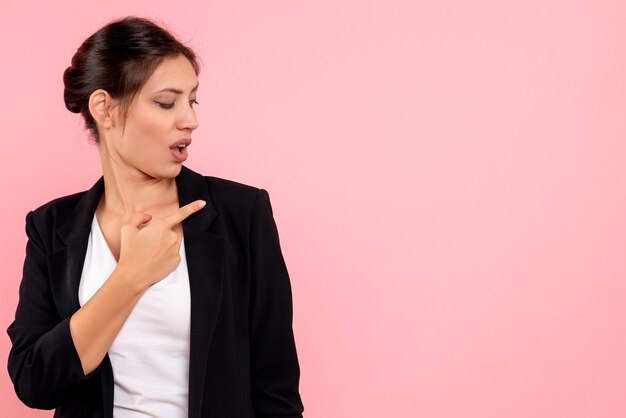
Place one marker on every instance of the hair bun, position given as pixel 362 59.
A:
pixel 71 93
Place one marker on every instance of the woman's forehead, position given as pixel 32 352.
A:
pixel 175 75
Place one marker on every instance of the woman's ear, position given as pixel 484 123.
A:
pixel 101 108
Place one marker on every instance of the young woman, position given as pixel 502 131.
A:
pixel 158 292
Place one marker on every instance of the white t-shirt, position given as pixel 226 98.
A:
pixel 150 355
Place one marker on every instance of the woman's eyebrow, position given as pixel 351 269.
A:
pixel 177 91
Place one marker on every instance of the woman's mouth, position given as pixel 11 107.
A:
pixel 179 153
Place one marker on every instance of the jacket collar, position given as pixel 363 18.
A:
pixel 205 264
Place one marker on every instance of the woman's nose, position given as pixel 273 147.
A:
pixel 188 119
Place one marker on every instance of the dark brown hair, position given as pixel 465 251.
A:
pixel 118 58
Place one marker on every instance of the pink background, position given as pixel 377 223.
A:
pixel 448 179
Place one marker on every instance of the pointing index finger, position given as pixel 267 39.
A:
pixel 182 213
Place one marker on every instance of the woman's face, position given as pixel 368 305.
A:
pixel 160 115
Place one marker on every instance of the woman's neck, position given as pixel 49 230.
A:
pixel 128 190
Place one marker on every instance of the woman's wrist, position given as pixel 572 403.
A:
pixel 130 279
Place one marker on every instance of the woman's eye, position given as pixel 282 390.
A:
pixel 192 102
pixel 165 105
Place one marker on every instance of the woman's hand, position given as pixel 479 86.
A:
pixel 149 251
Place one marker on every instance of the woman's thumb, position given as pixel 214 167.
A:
pixel 139 218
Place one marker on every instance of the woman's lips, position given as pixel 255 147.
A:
pixel 179 156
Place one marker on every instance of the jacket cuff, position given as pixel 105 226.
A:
pixel 60 346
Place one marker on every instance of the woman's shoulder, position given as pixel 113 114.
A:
pixel 62 204
pixel 231 186
pixel 231 195
pixel 220 186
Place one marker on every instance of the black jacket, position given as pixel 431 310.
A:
pixel 243 360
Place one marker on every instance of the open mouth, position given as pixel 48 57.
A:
pixel 179 148
pixel 179 152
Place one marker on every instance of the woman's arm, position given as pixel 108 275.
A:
pixel 49 354
pixel 274 361
pixel 97 323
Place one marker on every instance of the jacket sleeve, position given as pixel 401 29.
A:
pixel 274 362
pixel 43 362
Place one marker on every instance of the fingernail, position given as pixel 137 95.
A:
pixel 202 203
